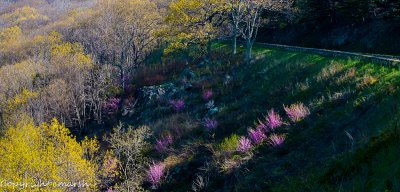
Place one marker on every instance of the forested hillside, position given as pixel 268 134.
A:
pixel 184 95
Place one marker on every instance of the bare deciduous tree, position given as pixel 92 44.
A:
pixel 129 146
pixel 121 33
pixel 246 18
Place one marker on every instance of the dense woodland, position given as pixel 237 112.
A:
pixel 176 95
pixel 351 25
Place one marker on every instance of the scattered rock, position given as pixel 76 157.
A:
pixel 227 79
pixel 153 94
pixel 187 75
pixel 213 111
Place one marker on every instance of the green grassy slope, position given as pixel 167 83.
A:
pixel 349 142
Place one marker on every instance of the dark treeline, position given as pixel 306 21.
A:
pixel 349 11
pixel 352 25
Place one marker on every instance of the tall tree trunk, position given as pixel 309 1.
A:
pixel 248 51
pixel 234 45
pixel 2 123
pixel 234 40
pixel 122 72
pixel 121 76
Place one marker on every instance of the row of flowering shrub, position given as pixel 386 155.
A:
pixel 264 130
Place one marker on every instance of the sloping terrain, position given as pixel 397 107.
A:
pixel 347 142
pixel 145 95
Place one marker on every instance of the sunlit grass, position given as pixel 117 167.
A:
pixel 358 98
pixel 349 102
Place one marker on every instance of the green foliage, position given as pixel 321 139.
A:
pixel 229 144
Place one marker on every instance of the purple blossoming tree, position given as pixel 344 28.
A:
pixel 155 174
pixel 276 140
pixel 207 95
pixel 177 105
pixel 112 105
pixel 161 146
pixel 169 139
pixel 261 125
pixel 163 143
pixel 273 120
pixel 257 136
pixel 210 124
pixel 296 112
pixel 244 144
